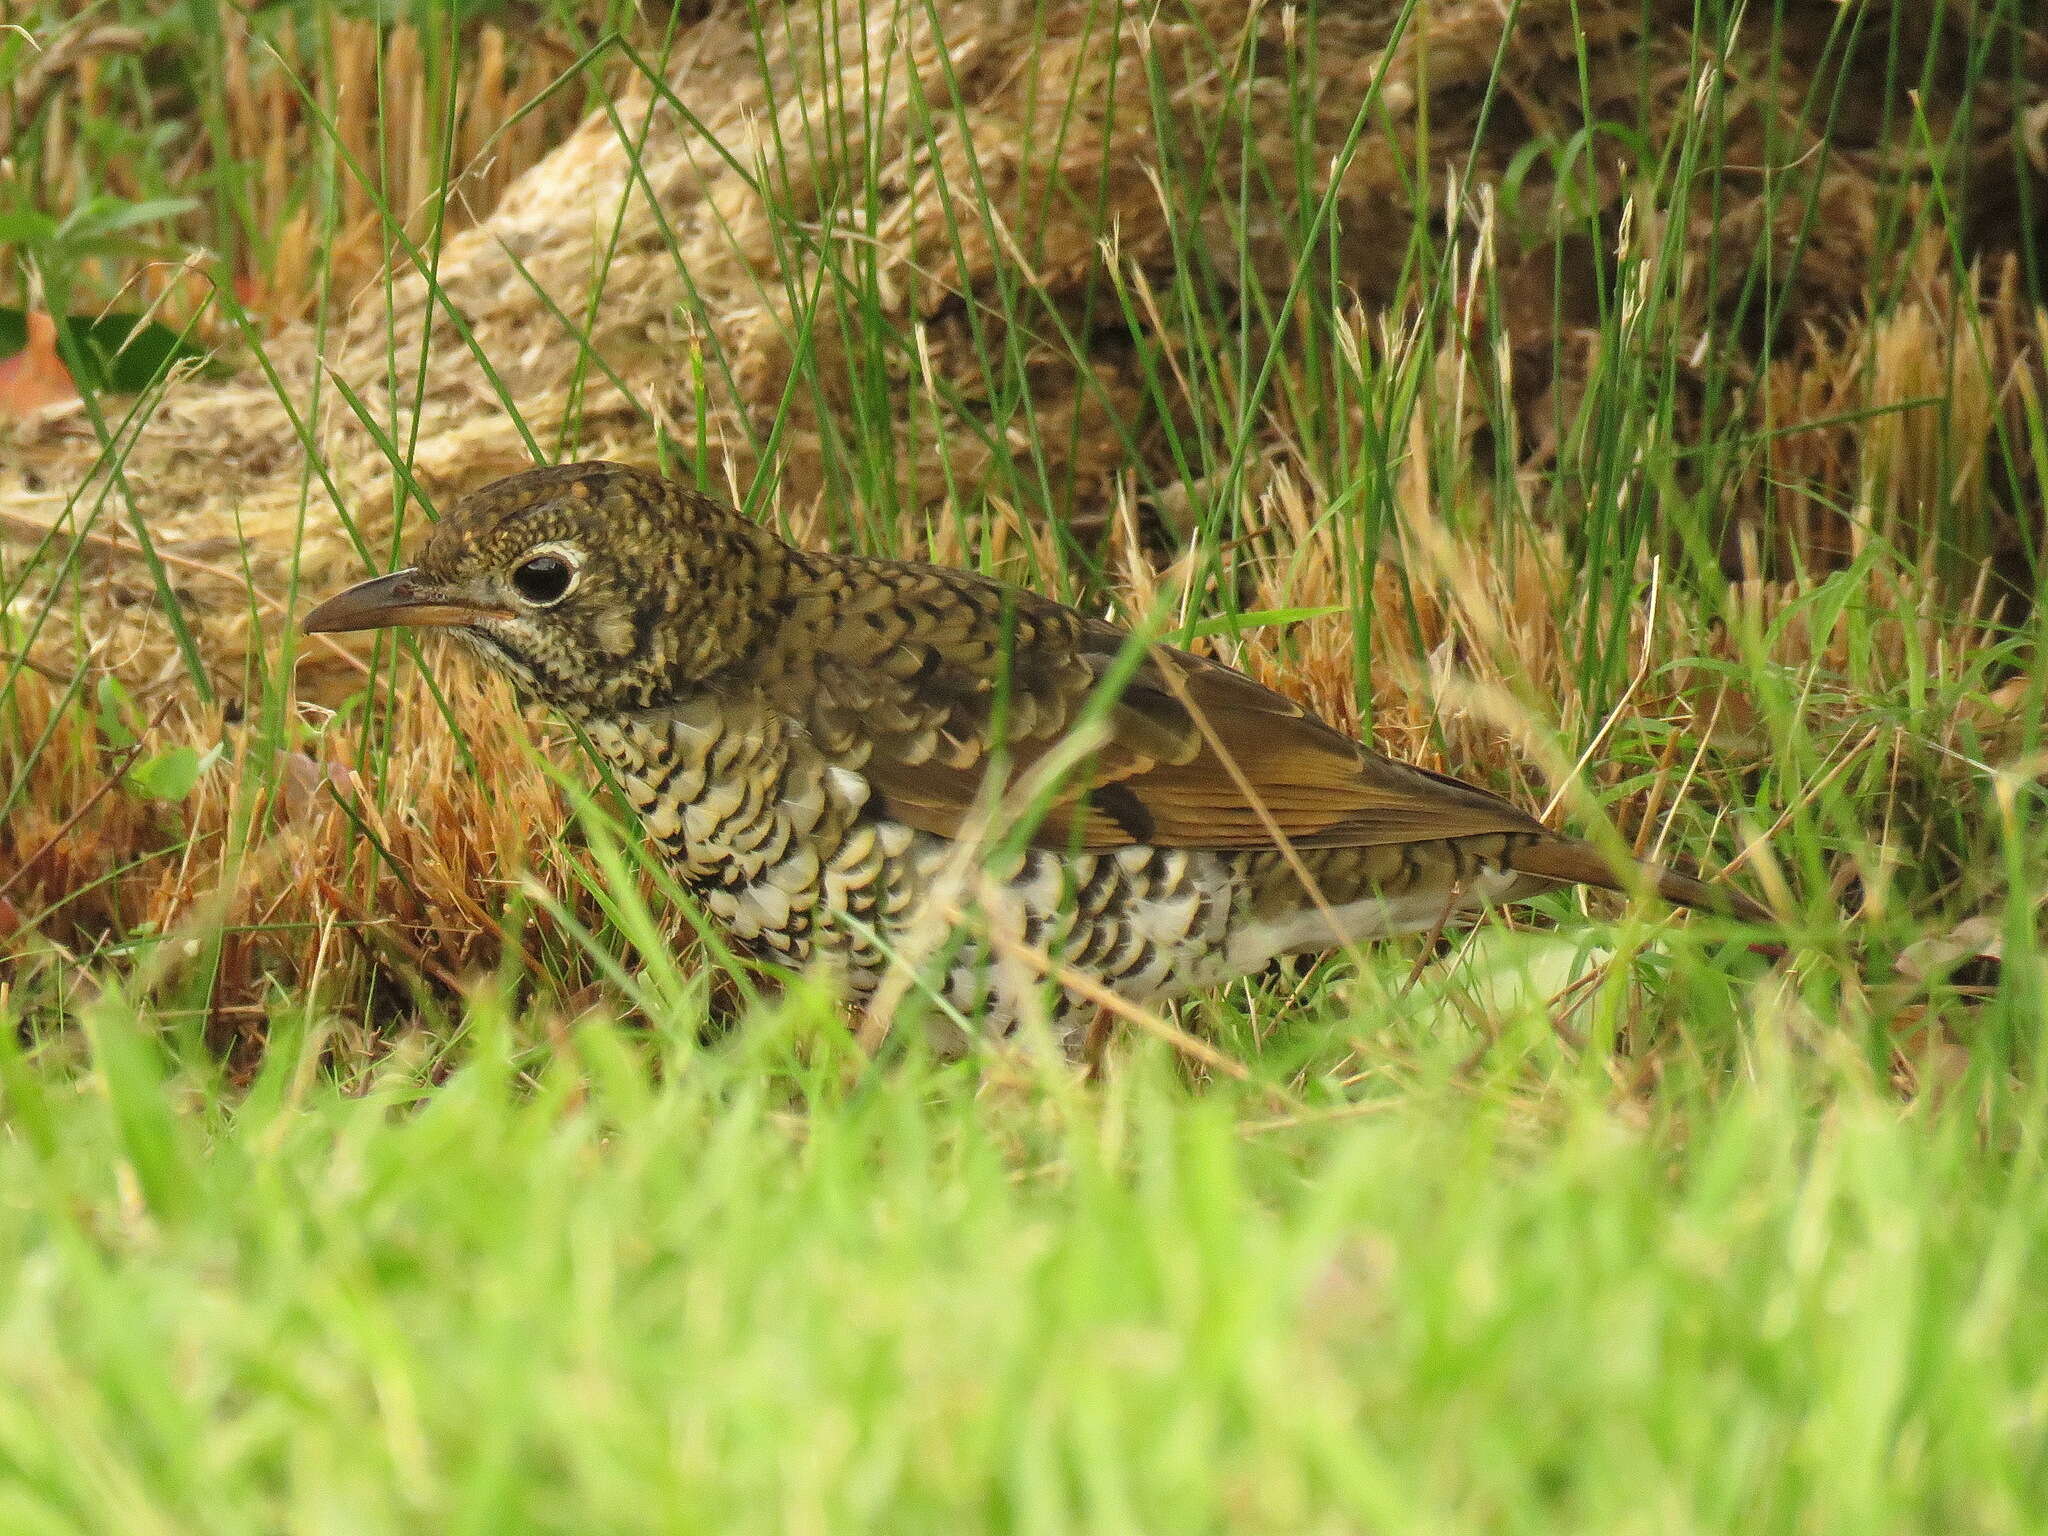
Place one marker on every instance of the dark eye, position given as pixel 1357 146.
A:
pixel 543 579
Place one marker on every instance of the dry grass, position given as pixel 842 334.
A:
pixel 316 883
pixel 391 103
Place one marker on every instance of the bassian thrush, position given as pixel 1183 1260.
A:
pixel 809 736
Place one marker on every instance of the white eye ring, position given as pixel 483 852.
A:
pixel 546 574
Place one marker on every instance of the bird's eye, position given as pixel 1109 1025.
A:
pixel 543 579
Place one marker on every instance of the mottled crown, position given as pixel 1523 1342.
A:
pixel 660 588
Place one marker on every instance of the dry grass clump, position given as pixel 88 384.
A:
pixel 290 874
pixel 1952 370
pixel 389 103
pixel 380 105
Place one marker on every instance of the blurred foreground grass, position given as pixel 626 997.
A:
pixel 747 1293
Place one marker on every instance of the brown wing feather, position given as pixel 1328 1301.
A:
pixel 924 691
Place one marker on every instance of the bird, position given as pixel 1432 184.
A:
pixel 820 742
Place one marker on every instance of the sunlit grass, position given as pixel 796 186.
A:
pixel 551 1291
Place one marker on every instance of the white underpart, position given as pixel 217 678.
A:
pixel 1360 922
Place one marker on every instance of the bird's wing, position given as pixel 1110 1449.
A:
pixel 926 680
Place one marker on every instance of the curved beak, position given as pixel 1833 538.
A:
pixel 383 602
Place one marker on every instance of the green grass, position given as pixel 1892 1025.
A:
pixel 1610 1226
pixel 751 1293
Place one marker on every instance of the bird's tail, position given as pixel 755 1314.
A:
pixel 1579 863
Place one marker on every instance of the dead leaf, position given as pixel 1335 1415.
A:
pixel 302 780
pixel 1968 955
pixel 35 376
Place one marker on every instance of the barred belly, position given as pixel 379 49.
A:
pixel 1153 924
pixel 1144 923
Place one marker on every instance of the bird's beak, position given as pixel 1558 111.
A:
pixel 383 602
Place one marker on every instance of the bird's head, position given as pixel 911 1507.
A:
pixel 597 587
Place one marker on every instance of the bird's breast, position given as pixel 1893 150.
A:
pixel 743 806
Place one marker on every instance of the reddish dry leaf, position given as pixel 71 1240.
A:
pixel 35 376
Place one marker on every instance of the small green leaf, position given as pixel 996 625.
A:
pixel 26 227
pixel 116 713
pixel 105 217
pixel 170 775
